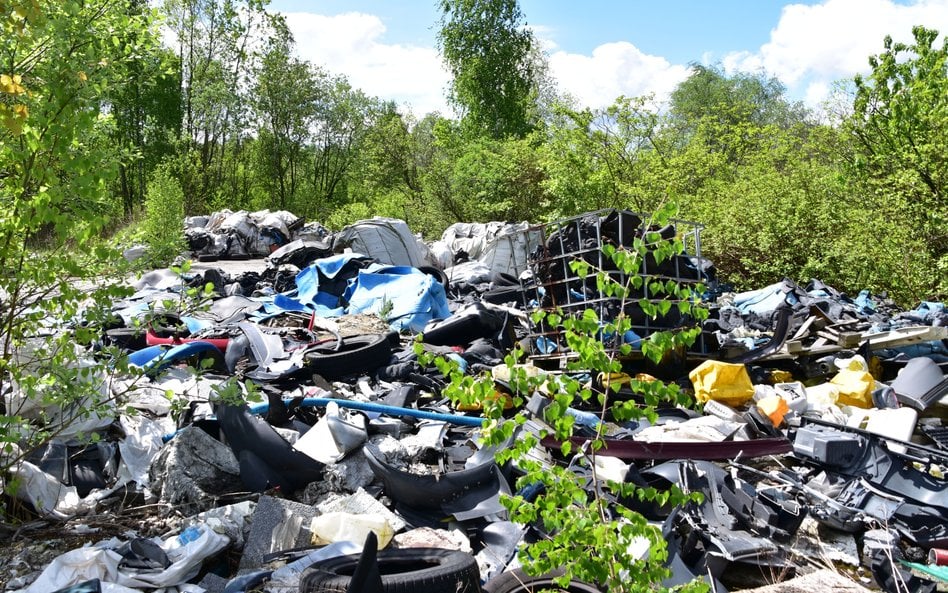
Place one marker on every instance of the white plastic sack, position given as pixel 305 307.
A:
pixel 66 420
pixel 138 449
pixel 74 567
pixel 442 254
pixel 49 496
pixel 216 219
pixel 470 272
pixel 280 220
pixel 502 247
pixel 186 551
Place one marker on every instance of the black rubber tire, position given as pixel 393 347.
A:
pixel 356 354
pixel 128 338
pixel 435 273
pixel 412 570
pixel 517 581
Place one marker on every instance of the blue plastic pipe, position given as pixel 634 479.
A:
pixel 318 402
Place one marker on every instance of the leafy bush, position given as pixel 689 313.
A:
pixel 581 530
pixel 162 228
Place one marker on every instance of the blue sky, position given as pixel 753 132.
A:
pixel 600 49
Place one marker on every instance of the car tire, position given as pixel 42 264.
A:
pixel 517 581
pixel 412 570
pixel 435 273
pixel 356 354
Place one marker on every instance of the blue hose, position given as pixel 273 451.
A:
pixel 318 402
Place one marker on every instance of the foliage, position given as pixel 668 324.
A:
pixel 286 98
pixel 162 228
pixel 146 111
pixel 605 158
pixel 709 92
pixel 61 58
pixel 582 530
pixel 474 179
pixel 487 49
pixel 899 126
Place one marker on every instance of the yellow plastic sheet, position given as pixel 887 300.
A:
pixel 723 382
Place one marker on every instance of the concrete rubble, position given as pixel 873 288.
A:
pixel 288 421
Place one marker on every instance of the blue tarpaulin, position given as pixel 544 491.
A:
pixel 411 297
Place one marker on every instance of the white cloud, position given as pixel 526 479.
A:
pixel 812 46
pixel 612 70
pixel 352 44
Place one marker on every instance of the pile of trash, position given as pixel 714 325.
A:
pixel 291 426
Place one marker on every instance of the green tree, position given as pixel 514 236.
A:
pixel 286 99
pixel 741 97
pixel 584 527
pixel 900 126
pixel 59 59
pixel 488 50
pixel 343 118
pixel 146 113
pixel 605 158
pixel 215 46
pixel 164 213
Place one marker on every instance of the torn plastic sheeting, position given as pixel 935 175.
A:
pixel 186 552
pixel 701 429
pixel 80 417
pixel 325 306
pixel 138 449
pixel 308 280
pixel 414 298
pixel 162 279
pixel 767 299
pixel 333 436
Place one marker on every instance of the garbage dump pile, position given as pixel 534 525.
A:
pixel 820 440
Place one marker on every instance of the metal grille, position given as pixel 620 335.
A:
pixel 581 238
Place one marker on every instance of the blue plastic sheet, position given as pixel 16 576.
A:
pixel 764 300
pixel 411 298
pixel 307 281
